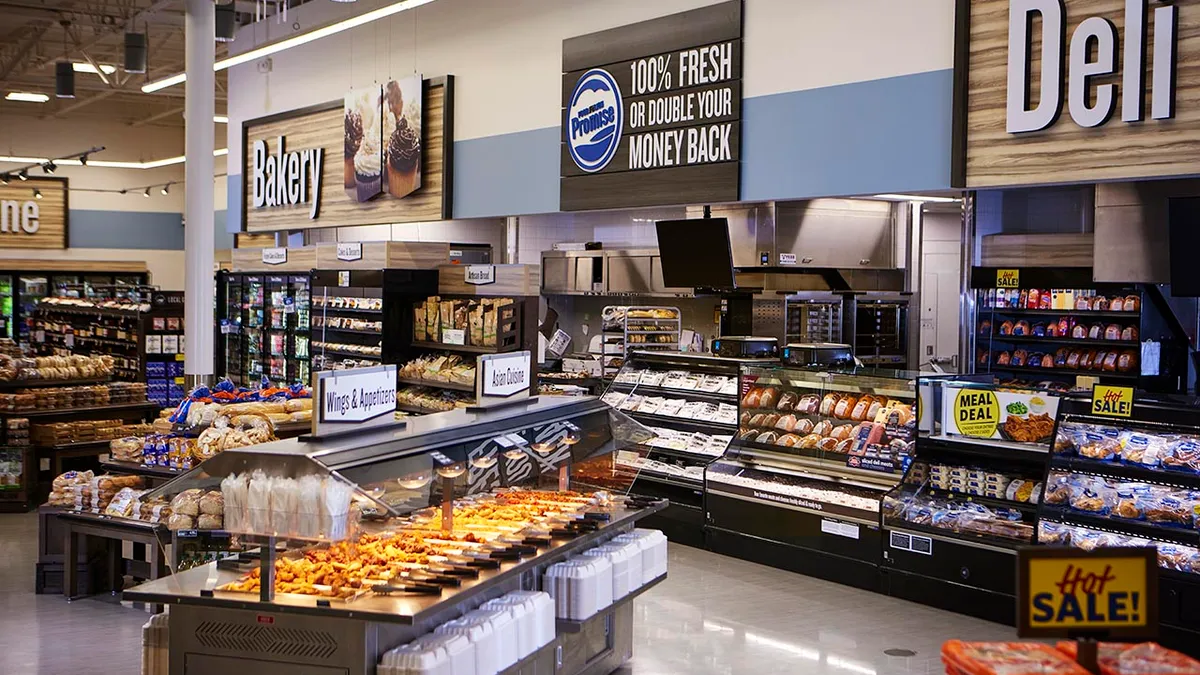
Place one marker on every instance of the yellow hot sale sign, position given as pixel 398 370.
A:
pixel 1112 401
pixel 1066 592
pixel 1008 278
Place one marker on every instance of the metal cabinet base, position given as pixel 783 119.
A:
pixel 219 641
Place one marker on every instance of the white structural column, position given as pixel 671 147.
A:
pixel 198 231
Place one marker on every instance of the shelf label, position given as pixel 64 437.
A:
pixel 1107 592
pixel 454 336
pixel 787 258
pixel 1008 278
pixel 480 275
pixel 880 464
pixel 344 279
pixel 274 256
pixel 1112 401
pixel 349 252
pixel 911 542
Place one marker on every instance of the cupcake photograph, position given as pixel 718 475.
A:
pixel 402 129
pixel 364 119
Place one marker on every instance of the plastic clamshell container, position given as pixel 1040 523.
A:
pixel 480 632
pixel 543 614
pixel 459 649
pixel 415 659
pixel 620 556
pixel 523 621
pixel 504 628
pixel 654 551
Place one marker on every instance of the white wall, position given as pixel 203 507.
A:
pixel 166 267
pixel 474 231
pixel 507 55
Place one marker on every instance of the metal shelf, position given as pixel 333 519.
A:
pixel 1081 342
pixel 469 388
pixel 572 626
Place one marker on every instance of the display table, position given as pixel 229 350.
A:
pixel 79 527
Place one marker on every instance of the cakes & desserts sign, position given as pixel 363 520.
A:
pixel 393 140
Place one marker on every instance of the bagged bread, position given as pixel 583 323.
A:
pixel 187 503
pixel 178 521
pixel 123 503
pixel 209 522
pixel 302 416
pixel 297 404
pixel 212 503
pixel 419 323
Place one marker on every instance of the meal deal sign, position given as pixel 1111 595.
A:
pixel 1107 592
pixel 651 112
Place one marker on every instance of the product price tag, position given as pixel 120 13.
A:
pixel 179 357
pixel 454 336
pixel 179 380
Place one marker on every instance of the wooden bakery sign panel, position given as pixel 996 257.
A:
pixel 652 112
pixel 1063 91
pixel 34 214
pixel 379 155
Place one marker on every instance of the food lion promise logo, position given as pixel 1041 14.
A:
pixel 595 117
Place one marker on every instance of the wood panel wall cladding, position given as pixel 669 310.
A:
pixel 1072 91
pixel 29 222
pixel 323 127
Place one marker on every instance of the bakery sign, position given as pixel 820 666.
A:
pixel 287 178
pixel 651 112
pixel 1062 91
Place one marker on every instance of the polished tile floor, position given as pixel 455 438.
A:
pixel 712 615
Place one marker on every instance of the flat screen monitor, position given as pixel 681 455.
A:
pixel 696 253
pixel 1183 226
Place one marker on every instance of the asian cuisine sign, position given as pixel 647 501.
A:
pixel 1111 592
pixel 1022 417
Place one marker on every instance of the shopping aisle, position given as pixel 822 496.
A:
pixel 713 615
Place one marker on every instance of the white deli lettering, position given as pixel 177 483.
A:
pixel 285 178
pixel 679 147
pixel 17 217
pixel 705 65
pixel 1092 53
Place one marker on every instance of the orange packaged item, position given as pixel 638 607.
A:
pixel 1006 658
pixel 1147 658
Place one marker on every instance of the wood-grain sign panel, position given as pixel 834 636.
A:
pixel 29 222
pixel 1073 91
pixel 322 128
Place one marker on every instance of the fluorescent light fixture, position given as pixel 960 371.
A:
pixel 918 198
pixel 84 67
pixel 288 43
pixel 220 119
pixel 27 96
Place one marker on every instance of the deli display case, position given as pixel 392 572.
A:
pixel 463 513
pixel 263 326
pixel 1133 481
pixel 801 483
pixel 969 500
pixel 689 401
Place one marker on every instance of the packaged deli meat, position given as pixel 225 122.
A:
pixel 1007 658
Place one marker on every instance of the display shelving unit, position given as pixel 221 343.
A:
pixel 263 326
pixel 645 328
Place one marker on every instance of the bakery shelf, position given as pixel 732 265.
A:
pixel 84 413
pixel 684 423
pixel 436 384
pixel 689 394
pixel 36 384
pixel 338 352
pixel 1136 472
pixel 1178 535
pixel 950 495
pixel 470 349
pixel 416 410
pixel 77 445
pixel 351 331
pixel 1059 312
pixel 956 537
pixel 638 331
pixel 1080 342
pixel 139 469
pixel 1064 371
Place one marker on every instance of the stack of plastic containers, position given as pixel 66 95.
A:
pixel 430 655
pixel 626 560
pixel 156 658
pixel 533 612
pixel 654 551
pixel 480 631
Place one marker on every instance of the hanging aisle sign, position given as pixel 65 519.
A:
pixel 652 112
pixel 349 252
pixel 1074 91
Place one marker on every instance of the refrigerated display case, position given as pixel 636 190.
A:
pixel 1051 326
pixel 263 327
pixel 7 304
pixel 801 483
pixel 478 504
pixel 969 501
pixel 689 401
pixel 1132 482
pixel 20 292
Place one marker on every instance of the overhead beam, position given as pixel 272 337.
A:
pixel 83 103
pixel 154 118
pixel 22 49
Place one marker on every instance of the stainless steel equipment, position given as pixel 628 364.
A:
pixel 745 346
pixel 818 354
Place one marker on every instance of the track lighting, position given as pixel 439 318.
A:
pixel 49 168
pixel 146 193
pixel 83 159
pixel 23 174
pixel 37 194
pixel 5 178
pixel 165 189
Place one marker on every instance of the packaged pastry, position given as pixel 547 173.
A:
pixel 123 503
pixel 1060 357
pixel 1182 454
pixel 187 503
pixel 1019 357
pixel 1064 326
pixel 1092 495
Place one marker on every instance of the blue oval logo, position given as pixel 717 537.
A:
pixel 595 117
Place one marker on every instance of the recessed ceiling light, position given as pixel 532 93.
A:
pixel 84 67
pixel 26 96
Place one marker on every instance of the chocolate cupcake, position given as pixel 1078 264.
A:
pixel 404 160
pixel 354 134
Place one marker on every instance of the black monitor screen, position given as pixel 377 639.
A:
pixel 695 253
pixel 1183 226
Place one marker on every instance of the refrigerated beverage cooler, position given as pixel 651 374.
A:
pixel 21 291
pixel 263 327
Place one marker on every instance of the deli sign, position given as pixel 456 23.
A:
pixel 1090 54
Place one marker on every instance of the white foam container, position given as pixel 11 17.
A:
pixel 654 551
pixel 620 556
pixel 542 607
pixel 459 649
pixel 601 569
pixel 504 628
pixel 521 611
pixel 482 635
pixel 415 659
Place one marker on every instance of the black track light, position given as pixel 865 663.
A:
pixel 124 191
pixel 165 189
pixel 5 179
pixel 146 193
pixel 49 168
pixel 83 159
pixel 37 194
pixel 135 52
pixel 23 174
pixel 64 79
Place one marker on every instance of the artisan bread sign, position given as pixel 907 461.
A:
pixel 652 112
pixel 356 395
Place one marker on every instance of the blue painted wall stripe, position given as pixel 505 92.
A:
pixel 126 229
pixel 889 135
pixel 504 175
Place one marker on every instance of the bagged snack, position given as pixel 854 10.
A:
pixel 419 323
